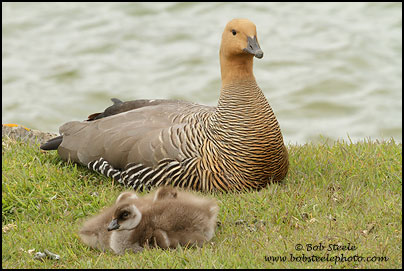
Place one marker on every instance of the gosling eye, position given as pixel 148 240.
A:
pixel 124 214
pixel 234 32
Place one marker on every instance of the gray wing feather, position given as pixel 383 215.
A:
pixel 143 135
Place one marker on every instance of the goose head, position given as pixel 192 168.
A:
pixel 238 48
pixel 239 38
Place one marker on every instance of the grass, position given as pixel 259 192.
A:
pixel 336 194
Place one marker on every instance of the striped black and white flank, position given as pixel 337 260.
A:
pixel 140 177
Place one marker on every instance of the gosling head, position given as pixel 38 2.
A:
pixel 239 38
pixel 126 217
pixel 126 196
pixel 165 192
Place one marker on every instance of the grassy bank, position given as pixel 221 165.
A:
pixel 335 194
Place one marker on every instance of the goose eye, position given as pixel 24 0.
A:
pixel 234 32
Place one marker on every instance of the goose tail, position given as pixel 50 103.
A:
pixel 52 144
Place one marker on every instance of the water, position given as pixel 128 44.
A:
pixel 331 69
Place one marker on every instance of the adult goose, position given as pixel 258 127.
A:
pixel 235 146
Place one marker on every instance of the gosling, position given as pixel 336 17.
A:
pixel 94 231
pixel 174 218
pixel 101 233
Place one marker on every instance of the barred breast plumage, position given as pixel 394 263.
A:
pixel 234 146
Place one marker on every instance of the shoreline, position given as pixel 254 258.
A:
pixel 30 136
pixel 33 136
